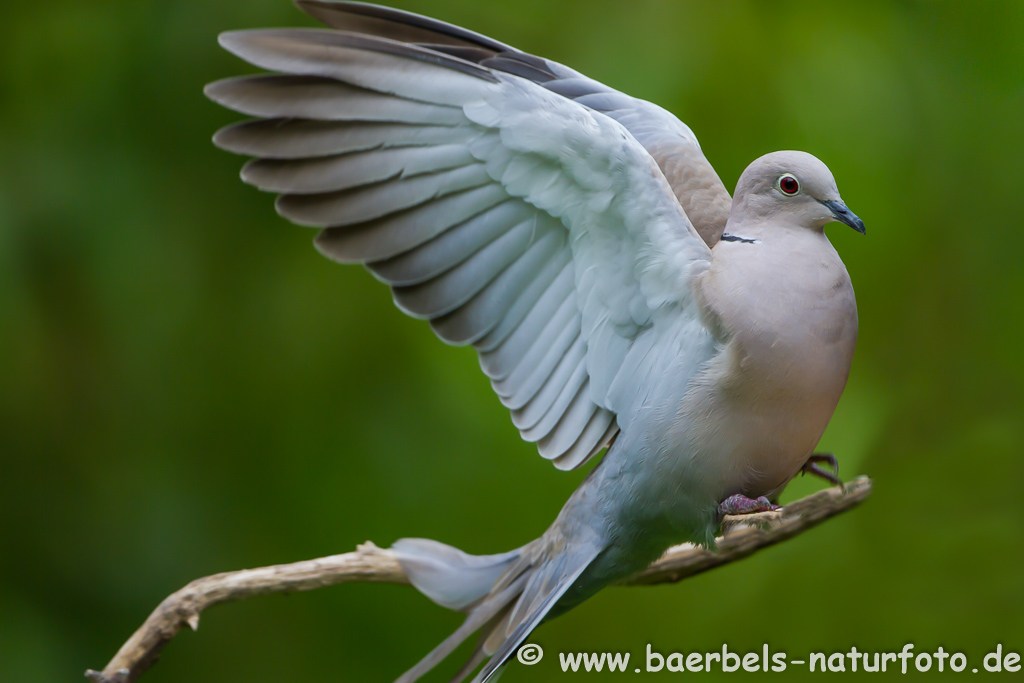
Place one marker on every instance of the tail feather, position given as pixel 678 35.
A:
pixel 536 589
pixel 494 667
pixel 497 635
pixel 485 647
pixel 476 619
pixel 471 664
pixel 506 596
pixel 448 576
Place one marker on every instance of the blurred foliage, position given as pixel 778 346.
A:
pixel 186 387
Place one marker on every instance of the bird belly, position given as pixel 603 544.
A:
pixel 751 426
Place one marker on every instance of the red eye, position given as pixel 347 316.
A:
pixel 789 185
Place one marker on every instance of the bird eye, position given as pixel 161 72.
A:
pixel 789 184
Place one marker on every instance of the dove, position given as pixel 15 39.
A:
pixel 619 299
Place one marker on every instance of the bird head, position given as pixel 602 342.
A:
pixel 794 186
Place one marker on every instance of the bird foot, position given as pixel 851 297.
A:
pixel 741 505
pixel 811 467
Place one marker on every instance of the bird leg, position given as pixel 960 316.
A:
pixel 741 505
pixel 811 467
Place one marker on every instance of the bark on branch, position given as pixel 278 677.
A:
pixel 741 536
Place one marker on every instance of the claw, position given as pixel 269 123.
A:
pixel 811 467
pixel 829 458
pixel 741 505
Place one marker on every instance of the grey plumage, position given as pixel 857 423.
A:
pixel 357 240
pixel 596 435
pixel 455 245
pixel 555 272
pixel 359 60
pixel 323 99
pixel 453 288
pixel 372 201
pixel 522 378
pixel 481 314
pixel 562 428
pixel 570 234
pixel 668 140
pixel 536 418
pixel 285 138
pixel 552 315
pixel 346 171
pixel 394 24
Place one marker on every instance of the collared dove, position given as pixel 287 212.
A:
pixel 580 241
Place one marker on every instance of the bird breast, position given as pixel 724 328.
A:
pixel 787 316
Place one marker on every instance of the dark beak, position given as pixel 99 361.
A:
pixel 844 215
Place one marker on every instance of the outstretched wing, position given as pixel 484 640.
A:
pixel 510 217
pixel 670 141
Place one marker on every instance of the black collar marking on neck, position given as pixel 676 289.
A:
pixel 737 238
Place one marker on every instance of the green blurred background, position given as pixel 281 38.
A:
pixel 186 387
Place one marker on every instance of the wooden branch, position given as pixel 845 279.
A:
pixel 742 535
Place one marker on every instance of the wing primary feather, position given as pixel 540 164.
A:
pixel 451 247
pixel 452 289
pixel 324 99
pixel 395 24
pixel 557 273
pixel 517 67
pixel 484 311
pixel 570 426
pixel 289 138
pixel 532 336
pixel 348 171
pixel 363 204
pixel 370 62
pixel 595 436
pixel 530 414
pixel 395 234
pixel 527 378
pixel 557 409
